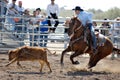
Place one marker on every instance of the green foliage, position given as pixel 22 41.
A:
pixel 66 13
pixel 97 14
pixel 110 14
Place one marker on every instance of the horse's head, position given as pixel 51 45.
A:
pixel 75 28
pixel 73 24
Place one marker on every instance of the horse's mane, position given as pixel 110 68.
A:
pixel 76 28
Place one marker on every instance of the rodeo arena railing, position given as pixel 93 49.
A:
pixel 24 33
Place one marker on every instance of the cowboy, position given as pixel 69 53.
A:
pixel 86 19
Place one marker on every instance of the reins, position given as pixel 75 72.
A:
pixel 79 38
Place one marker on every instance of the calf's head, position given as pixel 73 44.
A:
pixel 12 54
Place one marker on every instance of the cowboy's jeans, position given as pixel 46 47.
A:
pixel 93 35
pixel 94 39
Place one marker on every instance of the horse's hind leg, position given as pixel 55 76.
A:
pixel 74 55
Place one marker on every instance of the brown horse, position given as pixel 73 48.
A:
pixel 79 46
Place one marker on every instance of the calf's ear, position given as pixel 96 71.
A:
pixel 10 51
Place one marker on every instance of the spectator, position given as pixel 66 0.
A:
pixel 95 26
pixel 26 13
pixel 39 16
pixel 26 18
pixel 12 8
pixel 38 10
pixel 66 24
pixel 3 10
pixel 66 37
pixel 42 29
pixel 32 29
pixel 12 11
pixel 117 24
pixel 105 25
pixel 3 7
pixel 116 30
pixel 20 8
pixel 19 28
pixel 36 18
pixel 53 12
pixel 43 33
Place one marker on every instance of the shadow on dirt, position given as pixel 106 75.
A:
pixel 27 73
pixel 85 73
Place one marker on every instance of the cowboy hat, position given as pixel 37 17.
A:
pixel 78 8
pixel 118 18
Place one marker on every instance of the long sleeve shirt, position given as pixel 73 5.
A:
pixel 14 9
pixel 85 17
pixel 20 9
pixel 52 9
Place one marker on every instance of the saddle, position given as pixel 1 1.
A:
pixel 100 39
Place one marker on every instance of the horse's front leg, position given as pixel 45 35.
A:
pixel 77 53
pixel 68 49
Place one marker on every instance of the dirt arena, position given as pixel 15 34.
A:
pixel 106 69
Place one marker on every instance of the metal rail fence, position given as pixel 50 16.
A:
pixel 55 41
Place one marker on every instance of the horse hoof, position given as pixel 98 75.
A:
pixel 76 62
pixel 89 67
pixel 90 70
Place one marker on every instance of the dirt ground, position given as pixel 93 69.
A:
pixel 106 69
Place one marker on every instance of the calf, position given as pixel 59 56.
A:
pixel 27 53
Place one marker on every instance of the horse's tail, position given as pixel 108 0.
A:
pixel 116 50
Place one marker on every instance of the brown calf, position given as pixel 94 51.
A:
pixel 26 53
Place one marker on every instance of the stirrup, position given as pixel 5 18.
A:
pixel 95 51
pixel 85 39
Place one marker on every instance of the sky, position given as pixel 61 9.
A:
pixel 70 4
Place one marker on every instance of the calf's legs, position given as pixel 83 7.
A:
pixel 42 64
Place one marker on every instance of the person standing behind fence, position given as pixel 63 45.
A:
pixel 12 11
pixel 115 31
pixel 32 29
pixel 3 10
pixel 13 8
pixel 116 28
pixel 20 22
pixel 3 6
pixel 53 12
pixel 20 8
pixel 105 25
pixel 42 29
pixel 35 20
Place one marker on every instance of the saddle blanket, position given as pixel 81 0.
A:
pixel 100 39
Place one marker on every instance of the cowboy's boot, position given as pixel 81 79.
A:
pixel 95 51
